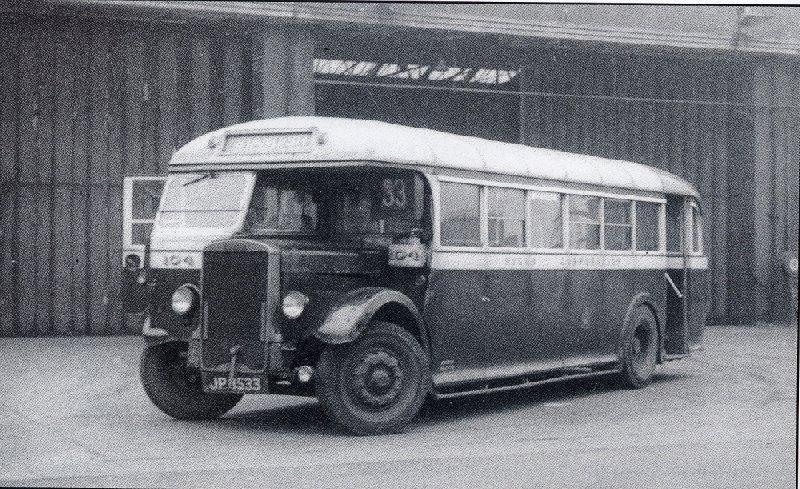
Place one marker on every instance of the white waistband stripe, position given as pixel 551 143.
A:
pixel 475 260
pixel 448 260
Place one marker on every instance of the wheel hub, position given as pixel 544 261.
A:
pixel 381 378
pixel 378 379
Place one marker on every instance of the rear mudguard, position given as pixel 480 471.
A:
pixel 349 317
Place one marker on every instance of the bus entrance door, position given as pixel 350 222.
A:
pixel 676 279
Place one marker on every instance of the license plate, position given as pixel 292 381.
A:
pixel 236 384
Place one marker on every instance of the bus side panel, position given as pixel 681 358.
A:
pixel 549 314
pixel 535 319
pixel 454 315
pixel 619 288
pixel 538 319
pixel 571 316
pixel 527 313
pixel 698 305
pixel 589 329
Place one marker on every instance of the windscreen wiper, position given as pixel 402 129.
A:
pixel 208 174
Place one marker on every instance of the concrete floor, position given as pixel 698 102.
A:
pixel 73 413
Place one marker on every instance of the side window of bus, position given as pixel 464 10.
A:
pixel 697 230
pixel 506 217
pixel 546 219
pixel 674 223
pixel 618 232
pixel 647 228
pixel 584 222
pixel 460 209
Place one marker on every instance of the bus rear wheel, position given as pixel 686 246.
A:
pixel 175 388
pixel 375 385
pixel 639 349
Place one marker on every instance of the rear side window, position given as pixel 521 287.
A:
pixel 647 228
pixel 674 223
pixel 546 221
pixel 460 210
pixel 618 232
pixel 506 217
pixel 584 222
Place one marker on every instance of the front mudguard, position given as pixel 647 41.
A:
pixel 349 317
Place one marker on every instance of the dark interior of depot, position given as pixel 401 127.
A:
pixel 416 84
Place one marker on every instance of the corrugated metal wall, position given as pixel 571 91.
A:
pixel 717 143
pixel 776 155
pixel 83 104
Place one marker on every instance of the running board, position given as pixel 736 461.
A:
pixel 523 383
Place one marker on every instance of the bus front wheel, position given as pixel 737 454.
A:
pixel 640 348
pixel 175 388
pixel 376 384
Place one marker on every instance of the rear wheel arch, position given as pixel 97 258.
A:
pixel 642 299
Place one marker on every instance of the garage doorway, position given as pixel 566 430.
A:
pixel 424 89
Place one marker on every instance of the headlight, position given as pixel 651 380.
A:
pixel 293 304
pixel 184 299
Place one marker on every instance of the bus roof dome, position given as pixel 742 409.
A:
pixel 326 139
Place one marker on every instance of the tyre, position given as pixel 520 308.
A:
pixel 175 388
pixel 375 385
pixel 640 348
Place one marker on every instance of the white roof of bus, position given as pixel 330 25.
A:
pixel 361 140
